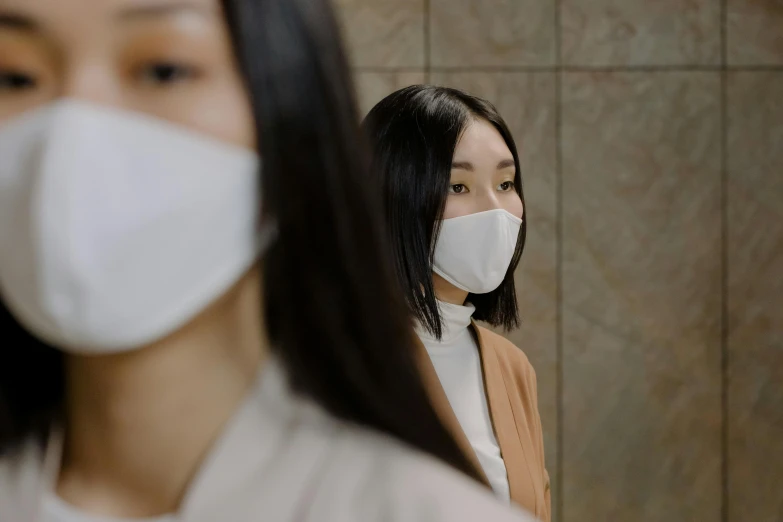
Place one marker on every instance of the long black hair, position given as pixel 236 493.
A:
pixel 333 312
pixel 414 133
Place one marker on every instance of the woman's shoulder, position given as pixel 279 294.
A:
pixel 365 476
pixel 509 355
pixel 519 375
pixel 372 476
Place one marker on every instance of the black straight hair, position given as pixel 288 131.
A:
pixel 333 311
pixel 414 133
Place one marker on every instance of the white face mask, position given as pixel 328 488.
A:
pixel 474 252
pixel 117 228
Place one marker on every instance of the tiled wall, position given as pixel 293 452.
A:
pixel 651 135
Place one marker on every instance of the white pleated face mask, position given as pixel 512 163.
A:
pixel 474 252
pixel 117 228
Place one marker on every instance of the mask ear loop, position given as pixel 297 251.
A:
pixel 50 468
pixel 266 236
pixel 268 229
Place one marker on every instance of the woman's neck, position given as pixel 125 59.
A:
pixel 138 424
pixel 447 292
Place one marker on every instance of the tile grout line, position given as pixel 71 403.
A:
pixel 724 505
pixel 427 43
pixel 570 68
pixel 559 472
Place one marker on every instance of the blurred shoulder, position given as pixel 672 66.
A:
pixel 510 356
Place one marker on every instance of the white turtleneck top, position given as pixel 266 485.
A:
pixel 458 365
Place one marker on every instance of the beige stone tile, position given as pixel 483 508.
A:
pixel 373 86
pixel 492 32
pixel 755 292
pixel 641 296
pixel 383 33
pixel 640 32
pixel 755 32
pixel 527 103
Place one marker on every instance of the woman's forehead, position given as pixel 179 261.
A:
pixel 480 138
pixel 42 13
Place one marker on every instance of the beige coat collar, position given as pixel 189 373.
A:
pixel 514 446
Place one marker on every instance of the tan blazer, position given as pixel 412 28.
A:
pixel 510 385
pixel 284 459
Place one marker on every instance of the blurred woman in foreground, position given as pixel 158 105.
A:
pixel 197 315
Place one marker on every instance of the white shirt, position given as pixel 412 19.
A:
pixel 57 510
pixel 282 458
pixel 458 365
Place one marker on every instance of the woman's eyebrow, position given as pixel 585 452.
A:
pixel 18 22
pixel 462 165
pixel 164 8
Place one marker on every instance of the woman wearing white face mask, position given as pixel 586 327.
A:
pixel 455 214
pixel 189 335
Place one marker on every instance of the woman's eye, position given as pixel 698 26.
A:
pixel 166 73
pixel 506 186
pixel 16 81
pixel 458 188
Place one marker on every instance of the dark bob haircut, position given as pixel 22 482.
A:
pixel 413 133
